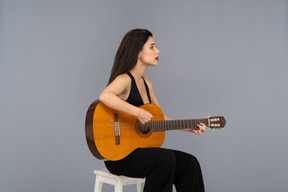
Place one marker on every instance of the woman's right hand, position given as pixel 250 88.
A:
pixel 144 116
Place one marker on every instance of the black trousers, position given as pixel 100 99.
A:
pixel 162 168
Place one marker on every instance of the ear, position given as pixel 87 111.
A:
pixel 140 54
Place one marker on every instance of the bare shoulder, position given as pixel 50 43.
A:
pixel 120 86
pixel 148 82
pixel 122 79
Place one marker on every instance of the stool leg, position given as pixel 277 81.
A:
pixel 140 187
pixel 98 185
pixel 118 187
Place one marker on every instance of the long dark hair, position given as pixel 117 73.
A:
pixel 128 51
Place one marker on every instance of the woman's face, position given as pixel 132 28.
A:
pixel 149 54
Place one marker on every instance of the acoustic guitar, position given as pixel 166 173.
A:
pixel 113 135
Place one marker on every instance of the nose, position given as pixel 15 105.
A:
pixel 157 50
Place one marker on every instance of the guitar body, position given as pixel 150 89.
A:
pixel 102 138
pixel 113 135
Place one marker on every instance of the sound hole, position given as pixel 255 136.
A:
pixel 143 130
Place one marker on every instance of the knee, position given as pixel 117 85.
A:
pixel 168 160
pixel 193 162
pixel 193 159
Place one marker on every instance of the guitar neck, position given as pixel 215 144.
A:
pixel 168 125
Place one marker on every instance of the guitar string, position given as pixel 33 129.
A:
pixel 157 124
pixel 170 122
pixel 133 123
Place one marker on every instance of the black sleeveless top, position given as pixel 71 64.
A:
pixel 134 97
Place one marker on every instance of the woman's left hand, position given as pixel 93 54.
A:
pixel 201 128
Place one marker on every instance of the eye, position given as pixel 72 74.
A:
pixel 152 47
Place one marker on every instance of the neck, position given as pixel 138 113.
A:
pixel 138 71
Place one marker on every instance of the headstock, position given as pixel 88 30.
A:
pixel 216 122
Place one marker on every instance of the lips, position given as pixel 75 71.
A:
pixel 157 58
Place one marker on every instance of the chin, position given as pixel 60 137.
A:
pixel 154 64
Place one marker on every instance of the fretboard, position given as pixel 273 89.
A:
pixel 176 124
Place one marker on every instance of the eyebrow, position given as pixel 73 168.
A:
pixel 153 44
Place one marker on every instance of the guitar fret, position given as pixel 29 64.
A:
pixel 167 125
pixel 181 124
pixel 170 126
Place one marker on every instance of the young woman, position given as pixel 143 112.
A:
pixel 127 90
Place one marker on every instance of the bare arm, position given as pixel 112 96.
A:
pixel 114 94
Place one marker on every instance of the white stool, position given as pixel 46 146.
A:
pixel 104 176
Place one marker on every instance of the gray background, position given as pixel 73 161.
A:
pixel 217 57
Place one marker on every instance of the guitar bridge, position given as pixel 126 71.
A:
pixel 116 129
